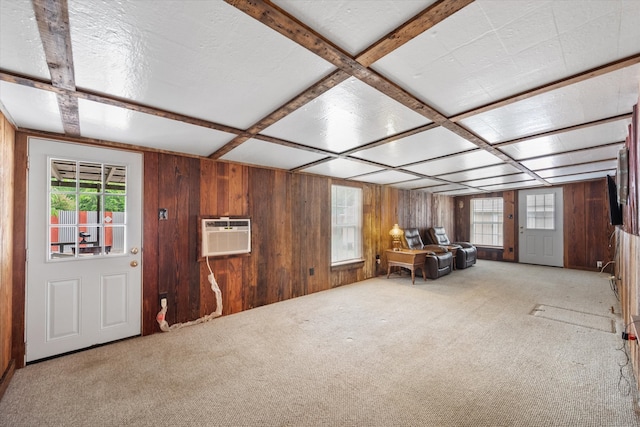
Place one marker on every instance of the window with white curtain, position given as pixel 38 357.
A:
pixel 346 224
pixel 487 221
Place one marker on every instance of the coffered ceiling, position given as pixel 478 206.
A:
pixel 451 96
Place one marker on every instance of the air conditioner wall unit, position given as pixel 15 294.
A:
pixel 225 236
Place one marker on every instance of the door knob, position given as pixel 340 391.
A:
pixel 134 250
pixel 133 263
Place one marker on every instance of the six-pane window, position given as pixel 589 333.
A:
pixel 541 211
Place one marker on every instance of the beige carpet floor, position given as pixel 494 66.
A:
pixel 465 350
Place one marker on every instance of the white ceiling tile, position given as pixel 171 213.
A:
pixel 445 187
pixel 349 115
pixel 566 141
pixel 131 127
pixel 523 32
pixel 513 185
pixel 462 192
pixel 341 168
pixel 385 177
pixel 505 179
pixel 584 156
pixel 605 96
pixel 30 108
pixel 470 160
pixel 257 152
pixel 629 28
pixel 433 143
pixel 205 58
pixel 20 45
pixel 417 183
pixel 483 172
pixel 463 28
pixel 580 177
pixel 500 13
pixel 575 14
pixel 353 25
pixel 578 169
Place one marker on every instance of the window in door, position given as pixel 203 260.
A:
pixel 87 209
pixel 487 221
pixel 346 224
pixel 541 211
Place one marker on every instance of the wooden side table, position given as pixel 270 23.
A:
pixel 454 251
pixel 407 258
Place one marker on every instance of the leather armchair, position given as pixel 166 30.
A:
pixel 439 260
pixel 466 253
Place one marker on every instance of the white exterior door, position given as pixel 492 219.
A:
pixel 540 227
pixel 84 273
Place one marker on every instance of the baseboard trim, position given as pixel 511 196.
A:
pixel 6 377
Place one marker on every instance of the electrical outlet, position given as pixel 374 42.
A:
pixel 162 296
pixel 599 264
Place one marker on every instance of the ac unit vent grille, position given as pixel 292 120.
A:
pixel 226 237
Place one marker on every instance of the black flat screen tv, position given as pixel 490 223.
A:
pixel 615 210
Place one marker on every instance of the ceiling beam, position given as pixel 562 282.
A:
pixel 52 17
pixel 559 84
pixel 417 25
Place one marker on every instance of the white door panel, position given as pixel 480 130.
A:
pixel 63 309
pixel 541 227
pixel 84 284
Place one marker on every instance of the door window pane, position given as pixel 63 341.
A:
pixel 541 211
pixel 85 201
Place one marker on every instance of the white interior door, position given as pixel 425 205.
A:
pixel 541 227
pixel 84 272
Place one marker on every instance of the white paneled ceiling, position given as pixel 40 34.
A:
pixel 451 96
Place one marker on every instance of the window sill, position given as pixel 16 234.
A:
pixel 347 265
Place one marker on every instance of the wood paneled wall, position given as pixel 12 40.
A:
pixel 510 219
pixel 291 227
pixel 290 214
pixel 627 274
pixel 588 236
pixel 587 232
pixel 627 244
pixel 7 136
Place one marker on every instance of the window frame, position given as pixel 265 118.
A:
pixel 497 224
pixel 355 222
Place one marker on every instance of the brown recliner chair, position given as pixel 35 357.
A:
pixel 466 253
pixel 439 260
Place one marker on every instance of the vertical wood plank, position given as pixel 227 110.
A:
pixel 208 207
pixel 7 255
pixel 150 291
pixel 19 249
pixel 510 248
pixel 574 225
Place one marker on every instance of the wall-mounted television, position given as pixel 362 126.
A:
pixel 615 210
pixel 622 176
